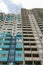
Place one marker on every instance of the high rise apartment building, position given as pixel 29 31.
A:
pixel 21 38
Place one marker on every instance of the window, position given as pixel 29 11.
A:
pixel 28 62
pixel 27 49
pixel 5 49
pixel 9 29
pixel 35 55
pixel 31 36
pixel 26 39
pixel 25 32
pixel 32 39
pixel 18 49
pixel 9 18
pixel 1 17
pixel 19 55
pixel 27 29
pixel 33 44
pixel 27 55
pixel 34 49
pixel 4 55
pixel 37 62
pixel 25 35
pixel 26 44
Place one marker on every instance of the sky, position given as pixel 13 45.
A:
pixel 14 6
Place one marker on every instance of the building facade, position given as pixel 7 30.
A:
pixel 21 38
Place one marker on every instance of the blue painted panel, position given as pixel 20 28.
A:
pixel 3 41
pixel 3 58
pixel 19 52
pixel 18 37
pixel 4 52
pixel 19 46
pixel 8 37
pixel 19 33
pixel 5 33
pixel 7 41
pixel 1 36
pixel 19 42
pixel 18 58
pixel 4 46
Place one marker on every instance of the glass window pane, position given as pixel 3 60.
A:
pixel 9 18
